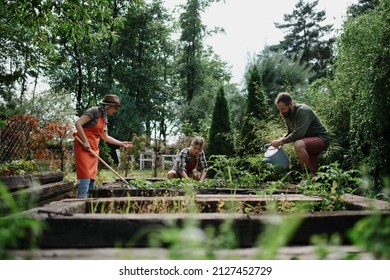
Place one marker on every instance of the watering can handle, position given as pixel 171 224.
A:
pixel 266 146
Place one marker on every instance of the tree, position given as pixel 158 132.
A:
pixel 361 7
pixel 192 47
pixel 235 98
pixel 23 41
pixel 256 111
pixel 51 107
pixel 282 73
pixel 58 133
pixel 197 114
pixel 306 35
pixel 82 35
pixel 363 81
pixel 197 66
pixel 220 136
pixel 144 55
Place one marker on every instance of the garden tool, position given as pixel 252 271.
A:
pixel 102 161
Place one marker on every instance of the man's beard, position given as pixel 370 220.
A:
pixel 287 114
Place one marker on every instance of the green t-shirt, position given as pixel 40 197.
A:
pixel 304 123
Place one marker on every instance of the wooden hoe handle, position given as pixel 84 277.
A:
pixel 102 161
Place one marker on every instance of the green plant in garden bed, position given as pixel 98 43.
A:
pixel 18 167
pixel 16 229
pixel 326 245
pixel 156 206
pixel 235 172
pixel 190 241
pixel 373 234
pixel 330 183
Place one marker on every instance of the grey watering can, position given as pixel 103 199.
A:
pixel 277 157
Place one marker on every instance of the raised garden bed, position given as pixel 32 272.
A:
pixel 109 222
pixel 43 188
pixel 120 217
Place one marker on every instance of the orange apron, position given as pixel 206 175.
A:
pixel 86 162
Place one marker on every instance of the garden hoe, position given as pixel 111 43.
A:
pixel 105 163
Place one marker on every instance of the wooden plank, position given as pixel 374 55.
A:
pixel 119 230
pixel 284 253
pixel 131 230
pixel 47 178
pixel 14 183
pixel 58 197
pixel 361 202
pixel 18 182
pixel 64 207
pixel 47 192
pixel 102 192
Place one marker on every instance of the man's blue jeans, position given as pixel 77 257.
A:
pixel 85 185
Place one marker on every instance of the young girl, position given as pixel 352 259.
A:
pixel 190 162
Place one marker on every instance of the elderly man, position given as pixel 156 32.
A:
pixel 304 129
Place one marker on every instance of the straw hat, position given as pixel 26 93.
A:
pixel 111 99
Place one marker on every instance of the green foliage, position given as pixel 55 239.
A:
pixel 324 245
pixel 126 163
pixel 49 106
pixel 143 56
pixel 249 172
pixel 220 135
pixel 277 234
pixel 105 153
pixel 191 37
pixel 80 57
pixel 331 183
pixel 235 99
pixel 257 111
pixel 196 114
pixel 281 73
pixel 16 230
pixel 18 167
pixel 306 34
pixel 336 180
pixel 361 7
pixel 23 43
pixel 200 71
pixel 373 234
pixel 190 241
pixel 363 83
pixel 140 143
pixel 331 107
pixel 256 104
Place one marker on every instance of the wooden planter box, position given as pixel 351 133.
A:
pixel 43 188
pixel 80 223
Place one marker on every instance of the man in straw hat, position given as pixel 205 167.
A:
pixel 89 128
